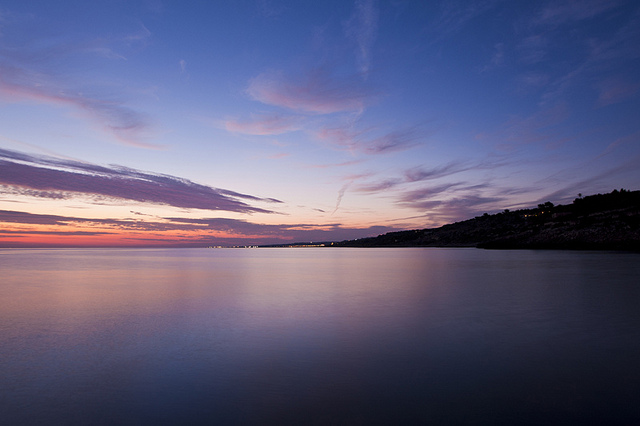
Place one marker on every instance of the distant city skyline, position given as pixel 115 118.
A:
pixel 138 123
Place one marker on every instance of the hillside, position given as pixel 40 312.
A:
pixel 603 221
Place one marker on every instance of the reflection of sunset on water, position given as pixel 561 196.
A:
pixel 259 335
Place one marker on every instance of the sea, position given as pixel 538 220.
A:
pixel 326 336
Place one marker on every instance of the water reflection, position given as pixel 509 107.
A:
pixel 318 336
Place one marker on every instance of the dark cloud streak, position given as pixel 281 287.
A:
pixel 240 232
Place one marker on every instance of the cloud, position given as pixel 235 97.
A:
pixel 462 208
pixel 340 195
pixel 533 49
pixel 631 139
pixel 531 80
pixel 19 234
pixel 539 127
pixel 174 231
pixel 317 91
pixel 269 9
pixel 24 218
pixel 416 174
pixel 37 72
pixel 10 216
pixel 53 178
pixel 421 173
pixel 609 48
pixel 606 180
pixel 285 232
pixel 366 141
pixel 443 211
pixel 362 28
pixel 379 186
pixel 396 140
pixel 497 59
pixel 328 166
pixel 140 37
pixel 273 124
pixel 560 12
pixel 455 14
pixel 416 196
pixel 127 125
pixel 613 91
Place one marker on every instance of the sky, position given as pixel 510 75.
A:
pixel 197 123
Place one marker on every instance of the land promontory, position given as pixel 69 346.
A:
pixel 596 222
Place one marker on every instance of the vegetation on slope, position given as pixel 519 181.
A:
pixel 603 221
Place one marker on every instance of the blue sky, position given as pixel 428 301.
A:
pixel 157 122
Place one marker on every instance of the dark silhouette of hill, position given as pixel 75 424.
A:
pixel 596 222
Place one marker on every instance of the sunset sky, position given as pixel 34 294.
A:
pixel 202 123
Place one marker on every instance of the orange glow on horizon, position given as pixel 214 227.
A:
pixel 91 236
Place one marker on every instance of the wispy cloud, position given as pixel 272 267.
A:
pixel 183 68
pixel 341 192
pixel 455 14
pixel 533 49
pixel 36 72
pixel 272 124
pixel 52 178
pixel 540 127
pixel 497 59
pixel 609 48
pixel 616 90
pixel 606 181
pixel 379 186
pixel 419 195
pixel 126 124
pixel 416 174
pixel 459 208
pixel 369 141
pixel 559 12
pixel 452 202
pixel 328 166
pixel 362 28
pixel 600 176
pixel 631 139
pixel 423 173
pixel 317 91
pixel 285 232
pixel 269 9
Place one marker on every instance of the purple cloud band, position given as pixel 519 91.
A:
pixel 47 177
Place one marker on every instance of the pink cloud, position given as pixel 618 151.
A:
pixel 33 72
pixel 343 164
pixel 278 156
pixel 264 125
pixel 614 91
pixel 316 92
pixel 126 124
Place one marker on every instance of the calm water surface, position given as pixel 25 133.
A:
pixel 319 336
